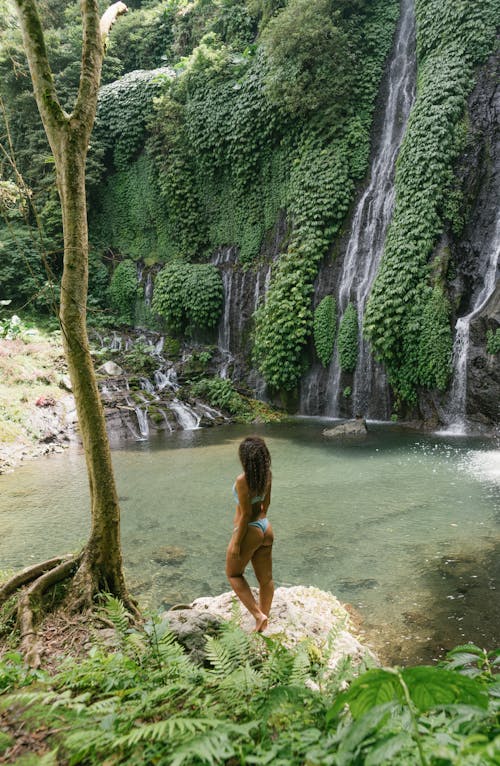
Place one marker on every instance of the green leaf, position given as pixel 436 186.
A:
pixel 387 749
pixel 431 687
pixel 373 688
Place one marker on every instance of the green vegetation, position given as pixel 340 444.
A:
pixel 325 320
pixel 493 341
pixel 254 702
pixel 188 296
pixel 407 314
pixel 218 120
pixel 123 290
pixel 220 393
pixel 348 339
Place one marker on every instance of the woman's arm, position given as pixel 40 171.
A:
pixel 267 498
pixel 244 516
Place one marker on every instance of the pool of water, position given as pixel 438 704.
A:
pixel 402 526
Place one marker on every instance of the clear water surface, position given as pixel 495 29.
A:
pixel 402 526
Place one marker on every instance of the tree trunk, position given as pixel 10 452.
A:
pixel 101 568
pixel 101 561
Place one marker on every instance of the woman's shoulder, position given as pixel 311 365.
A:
pixel 241 481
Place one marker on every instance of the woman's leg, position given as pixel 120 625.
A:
pixel 234 571
pixel 263 567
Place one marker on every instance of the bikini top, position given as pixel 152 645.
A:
pixel 256 499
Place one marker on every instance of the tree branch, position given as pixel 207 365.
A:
pixel 94 38
pixel 50 109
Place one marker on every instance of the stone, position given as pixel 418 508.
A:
pixel 110 368
pixel 356 427
pixel 170 555
pixel 65 383
pixel 298 614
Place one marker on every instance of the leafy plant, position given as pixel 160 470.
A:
pixel 493 341
pixel 325 320
pixel 188 296
pixel 348 339
pixel 123 290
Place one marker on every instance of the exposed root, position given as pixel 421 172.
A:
pixel 34 582
pixel 28 602
pixel 28 575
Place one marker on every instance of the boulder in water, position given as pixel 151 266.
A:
pixel 356 427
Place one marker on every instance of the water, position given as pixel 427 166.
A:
pixel 456 415
pixel 370 395
pixel 403 527
pixel 244 290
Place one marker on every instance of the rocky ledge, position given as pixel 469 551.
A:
pixel 298 614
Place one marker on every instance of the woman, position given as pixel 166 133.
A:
pixel 252 537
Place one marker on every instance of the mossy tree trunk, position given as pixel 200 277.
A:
pixel 100 564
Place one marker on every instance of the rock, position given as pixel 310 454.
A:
pixel 65 383
pixel 110 368
pixel 170 555
pixel 298 614
pixel 356 427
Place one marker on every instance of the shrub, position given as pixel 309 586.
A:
pixel 123 290
pixel 188 296
pixel 169 294
pixel 493 341
pixel 204 296
pixel 348 339
pixel 325 319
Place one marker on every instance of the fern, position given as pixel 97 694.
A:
pixel 214 746
pixel 116 613
pixel 169 729
pixel 229 651
pixel 301 666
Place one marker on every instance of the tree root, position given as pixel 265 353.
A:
pixel 28 575
pixel 33 582
pixel 28 602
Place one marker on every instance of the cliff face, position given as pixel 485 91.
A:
pixel 480 175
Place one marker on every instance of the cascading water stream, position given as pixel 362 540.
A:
pixel 370 221
pixel 243 292
pixel 456 416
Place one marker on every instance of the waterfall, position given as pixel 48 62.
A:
pixel 186 416
pixel 243 292
pixel 456 415
pixel 366 242
pixel 148 289
pixel 142 420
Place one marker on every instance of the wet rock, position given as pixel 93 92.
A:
pixel 110 368
pixel 169 555
pixel 356 427
pixel 362 584
pixel 298 614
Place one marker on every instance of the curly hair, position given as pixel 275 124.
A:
pixel 256 462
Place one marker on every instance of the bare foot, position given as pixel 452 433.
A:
pixel 260 623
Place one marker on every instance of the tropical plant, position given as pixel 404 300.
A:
pixel 347 339
pixel 325 320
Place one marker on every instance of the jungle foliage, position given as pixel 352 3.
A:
pixel 453 37
pixel 233 115
pixel 188 296
pixel 254 701
pixel 325 321
pixel 348 339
